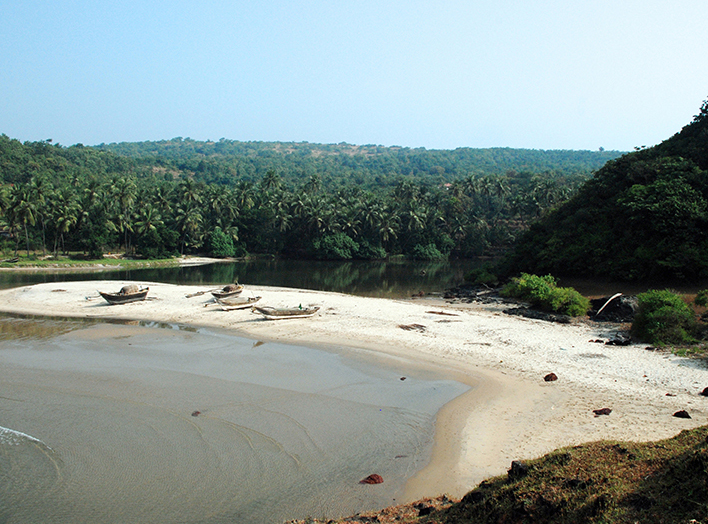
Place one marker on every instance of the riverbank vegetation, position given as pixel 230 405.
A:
pixel 543 293
pixel 161 199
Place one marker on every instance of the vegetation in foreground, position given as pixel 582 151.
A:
pixel 663 482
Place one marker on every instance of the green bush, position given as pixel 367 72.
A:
pixel 367 251
pixel 701 298
pixel 663 318
pixel 544 294
pixel 339 246
pixel 482 276
pixel 426 252
pixel 220 244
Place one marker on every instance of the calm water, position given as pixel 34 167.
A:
pixel 128 423
pixel 381 279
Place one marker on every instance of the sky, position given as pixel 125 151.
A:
pixel 549 74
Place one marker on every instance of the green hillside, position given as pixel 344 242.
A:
pixel 341 164
pixel 642 216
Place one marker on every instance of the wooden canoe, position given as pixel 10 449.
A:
pixel 228 291
pixel 126 295
pixel 272 313
pixel 237 302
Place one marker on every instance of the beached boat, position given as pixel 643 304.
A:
pixel 228 291
pixel 237 302
pixel 273 313
pixel 127 294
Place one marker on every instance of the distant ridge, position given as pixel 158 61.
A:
pixel 385 164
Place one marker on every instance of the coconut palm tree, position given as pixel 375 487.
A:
pixel 23 210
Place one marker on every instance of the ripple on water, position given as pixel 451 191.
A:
pixel 280 432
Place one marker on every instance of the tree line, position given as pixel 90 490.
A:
pixel 55 200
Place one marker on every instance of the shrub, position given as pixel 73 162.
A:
pixel 367 251
pixel 220 244
pixel 701 298
pixel 663 318
pixel 426 252
pixel 339 246
pixel 482 276
pixel 542 292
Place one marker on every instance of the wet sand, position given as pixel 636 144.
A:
pixel 509 413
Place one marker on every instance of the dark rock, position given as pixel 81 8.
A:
pixel 403 378
pixel 538 315
pixel 619 340
pixel 550 377
pixel 603 411
pixel 682 414
pixel 620 309
pixel 518 469
pixel 705 392
pixel 372 479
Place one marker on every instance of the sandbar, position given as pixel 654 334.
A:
pixel 510 412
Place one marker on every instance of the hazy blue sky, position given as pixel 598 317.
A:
pixel 545 74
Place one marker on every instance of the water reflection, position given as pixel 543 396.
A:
pixel 393 279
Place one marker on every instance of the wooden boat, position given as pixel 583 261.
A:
pixel 227 304
pixel 127 294
pixel 228 291
pixel 272 313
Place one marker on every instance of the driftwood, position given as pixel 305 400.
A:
pixel 412 327
pixel 443 313
pixel 200 293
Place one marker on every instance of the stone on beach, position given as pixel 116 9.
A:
pixel 372 479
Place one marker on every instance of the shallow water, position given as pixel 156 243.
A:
pixel 110 423
pixel 393 279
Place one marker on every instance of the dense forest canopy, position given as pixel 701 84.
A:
pixel 642 216
pixel 294 199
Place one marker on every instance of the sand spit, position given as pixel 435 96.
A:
pixel 510 412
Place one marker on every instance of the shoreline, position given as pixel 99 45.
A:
pixel 510 413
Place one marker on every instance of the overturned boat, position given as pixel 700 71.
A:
pixel 272 313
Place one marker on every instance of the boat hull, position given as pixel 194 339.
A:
pixel 229 304
pixel 116 298
pixel 285 313
pixel 224 293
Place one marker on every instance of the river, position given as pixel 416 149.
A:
pixel 161 423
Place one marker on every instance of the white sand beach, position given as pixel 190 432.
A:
pixel 510 412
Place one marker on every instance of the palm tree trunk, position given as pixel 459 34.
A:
pixel 27 240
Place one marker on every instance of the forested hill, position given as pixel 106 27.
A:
pixel 642 216
pixel 298 200
pixel 343 164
